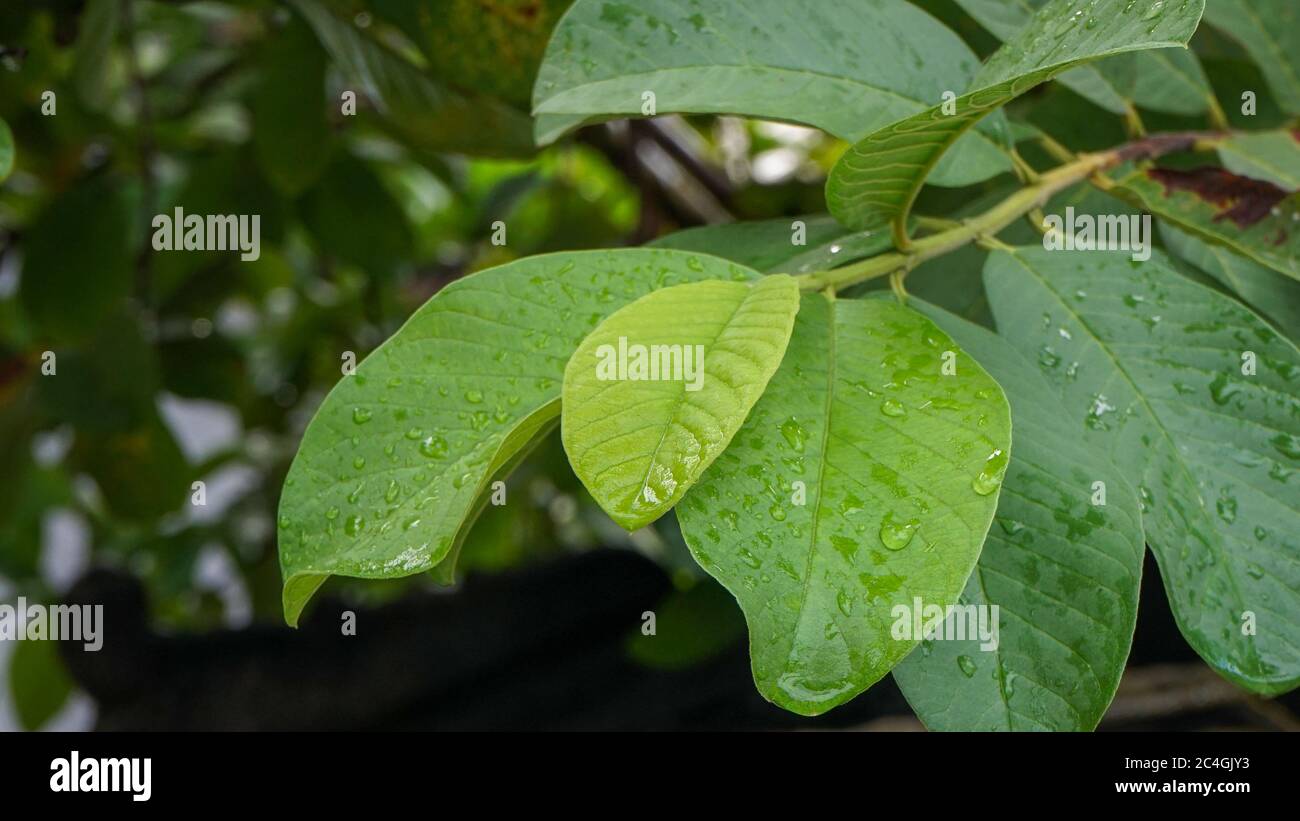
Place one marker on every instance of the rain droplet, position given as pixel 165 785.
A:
pixel 990 478
pixel 967 666
pixel 360 415
pixel 892 407
pixel 896 535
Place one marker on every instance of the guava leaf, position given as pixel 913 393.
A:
pixel 1270 32
pixel 1063 571
pixel 862 479
pixel 1268 292
pixel 1152 371
pixel 876 180
pixel 1265 155
pixel 772 59
pixel 416 108
pixel 769 245
pixel 1253 217
pixel 639 442
pixel 6 151
pixel 397 457
pixel 1167 80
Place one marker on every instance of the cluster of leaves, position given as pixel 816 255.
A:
pixel 845 456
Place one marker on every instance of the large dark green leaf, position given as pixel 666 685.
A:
pixel 291 134
pixel 421 111
pixel 769 245
pixel 1166 80
pixel 1270 32
pixel 1062 570
pixel 863 478
pixel 68 287
pixel 800 62
pixel 1150 368
pixel 1273 295
pixel 1253 217
pixel 877 180
pixel 394 463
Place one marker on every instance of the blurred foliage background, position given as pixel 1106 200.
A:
pixel 176 368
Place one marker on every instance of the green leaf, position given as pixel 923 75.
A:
pixel 69 287
pixel 1063 571
pixel 353 217
pixel 1267 291
pixel 1270 32
pixel 705 351
pixel 493 47
pixel 291 134
pixel 1169 81
pixel 769 59
pixel 6 151
pixel 38 682
pixel 1252 217
pixel 770 245
pixel 416 108
pixel 96 31
pixel 1150 368
pixel 877 180
pixel 887 454
pixel 396 459
pixel 1269 155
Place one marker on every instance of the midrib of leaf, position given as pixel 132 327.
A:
pixel 1202 514
pixel 826 439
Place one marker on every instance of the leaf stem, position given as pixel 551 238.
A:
pixel 985 226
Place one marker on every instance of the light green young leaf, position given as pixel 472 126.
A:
pixel 876 180
pixel 6 151
pixel 1270 32
pixel 416 108
pixel 1197 401
pixel 1268 292
pixel 773 59
pixel 1269 155
pixel 863 478
pixel 1252 217
pixel 392 467
pixel 1062 565
pixel 639 436
pixel 1167 80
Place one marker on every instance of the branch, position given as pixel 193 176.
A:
pixel 986 225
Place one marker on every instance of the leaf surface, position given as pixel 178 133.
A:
pixel 877 179
pixel 1063 571
pixel 1150 369
pixel 397 457
pixel 888 454
pixel 772 59
pixel 419 110
pixel 1253 217
pixel 640 441
pixel 1270 32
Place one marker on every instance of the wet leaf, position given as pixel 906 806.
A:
pixel 862 479
pixel 771 59
pixel 396 460
pixel 1062 570
pixel 658 389
pixel 876 180
pixel 1151 369
pixel 1253 217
